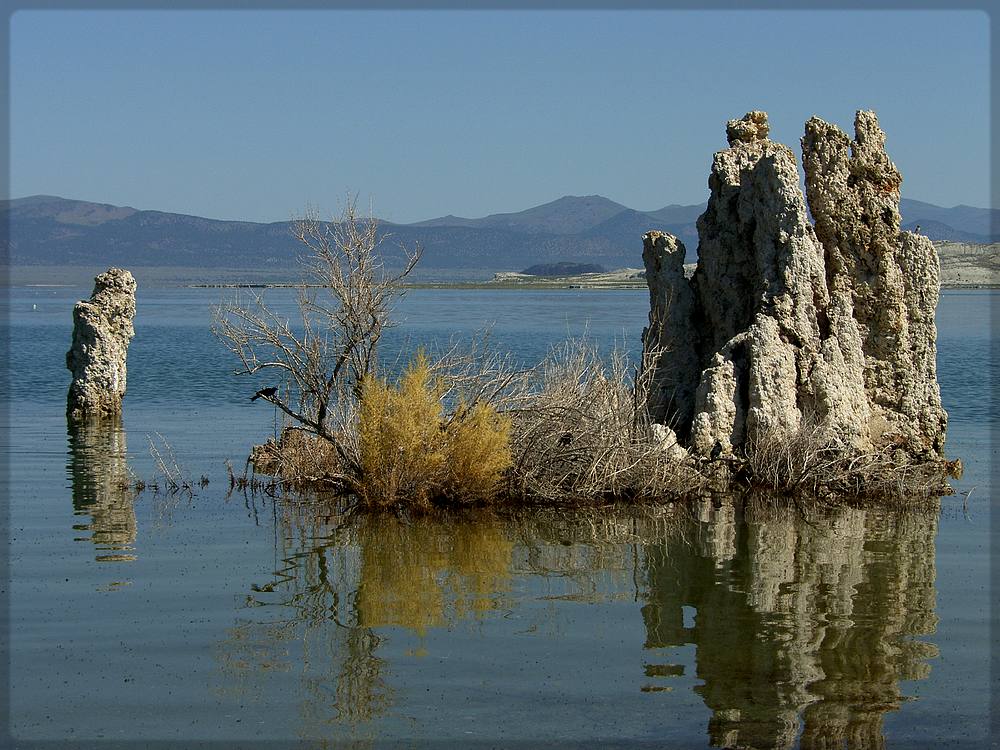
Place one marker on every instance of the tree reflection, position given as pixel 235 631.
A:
pixel 97 467
pixel 341 583
pixel 800 620
pixel 803 626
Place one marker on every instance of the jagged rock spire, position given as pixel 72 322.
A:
pixel 784 323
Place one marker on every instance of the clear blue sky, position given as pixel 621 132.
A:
pixel 254 115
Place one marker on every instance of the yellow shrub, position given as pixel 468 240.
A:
pixel 410 453
pixel 399 437
pixel 478 452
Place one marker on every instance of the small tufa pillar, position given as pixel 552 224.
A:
pixel 102 330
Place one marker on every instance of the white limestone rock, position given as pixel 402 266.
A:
pixel 783 323
pixel 772 380
pixel 761 298
pixel 669 338
pixel 102 330
pixel 666 440
pixel 718 416
pixel 891 277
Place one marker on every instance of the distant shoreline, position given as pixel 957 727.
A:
pixel 625 278
pixel 963 266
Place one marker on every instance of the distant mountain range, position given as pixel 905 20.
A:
pixel 46 230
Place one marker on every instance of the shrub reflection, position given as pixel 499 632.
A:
pixel 803 624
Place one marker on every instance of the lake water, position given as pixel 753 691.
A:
pixel 237 620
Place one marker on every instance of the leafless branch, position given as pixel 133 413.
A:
pixel 344 308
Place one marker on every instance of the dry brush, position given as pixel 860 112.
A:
pixel 469 425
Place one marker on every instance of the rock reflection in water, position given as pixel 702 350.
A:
pixel 97 468
pixel 799 621
pixel 804 627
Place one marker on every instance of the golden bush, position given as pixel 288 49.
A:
pixel 410 452
pixel 478 450
pixel 399 437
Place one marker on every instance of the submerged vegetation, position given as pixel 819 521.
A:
pixel 472 426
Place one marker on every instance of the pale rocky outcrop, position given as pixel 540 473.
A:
pixel 784 323
pixel 671 307
pixel 102 330
pixel 666 439
pixel 890 277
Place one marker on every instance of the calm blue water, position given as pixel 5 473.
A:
pixel 231 619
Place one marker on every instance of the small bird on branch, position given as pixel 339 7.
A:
pixel 716 450
pixel 267 393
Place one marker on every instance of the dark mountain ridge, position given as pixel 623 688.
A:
pixel 567 215
pixel 48 230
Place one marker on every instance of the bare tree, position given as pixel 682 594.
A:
pixel 577 428
pixel 344 306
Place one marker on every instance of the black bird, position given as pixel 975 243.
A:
pixel 917 230
pixel 716 450
pixel 267 393
pixel 566 439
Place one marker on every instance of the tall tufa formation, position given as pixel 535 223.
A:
pixel 783 323
pixel 890 278
pixel 102 330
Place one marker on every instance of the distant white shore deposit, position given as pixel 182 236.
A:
pixel 966 265
pixel 622 277
pixel 963 265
